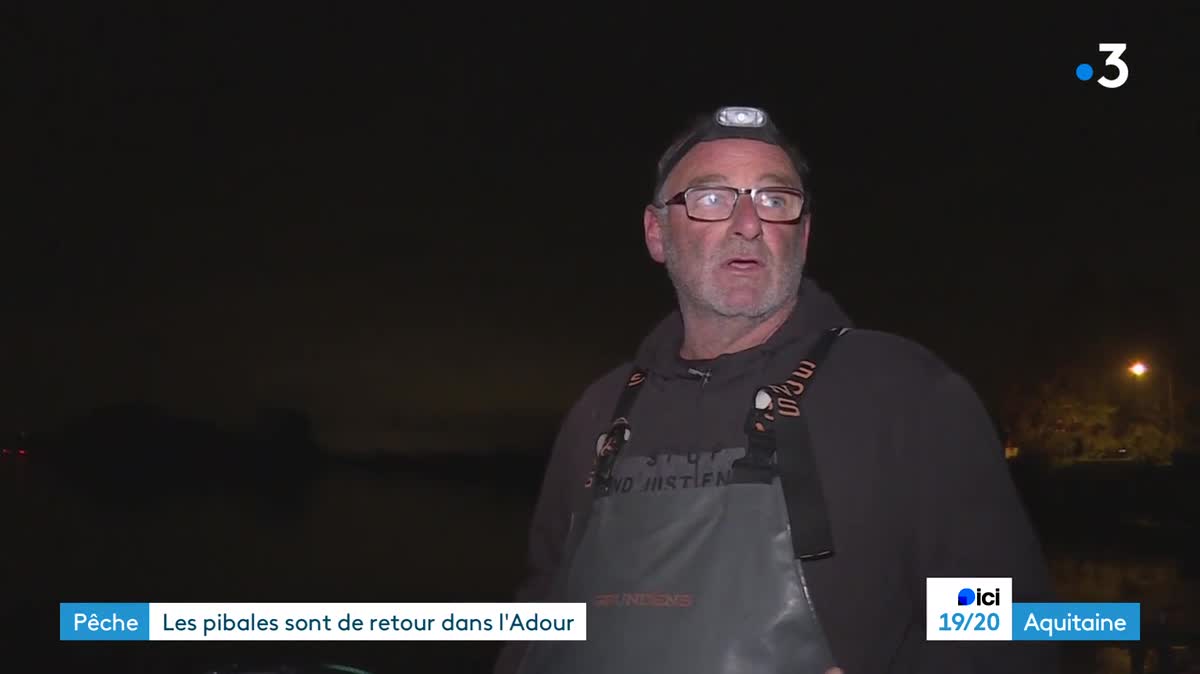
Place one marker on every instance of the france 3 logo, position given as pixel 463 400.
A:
pixel 1114 70
pixel 968 609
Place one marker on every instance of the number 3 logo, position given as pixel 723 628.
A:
pixel 1114 49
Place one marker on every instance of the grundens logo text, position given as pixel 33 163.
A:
pixel 648 599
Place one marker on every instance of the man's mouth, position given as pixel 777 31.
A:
pixel 743 263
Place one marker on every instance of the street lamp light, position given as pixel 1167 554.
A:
pixel 1139 370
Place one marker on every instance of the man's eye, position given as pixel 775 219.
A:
pixel 780 200
pixel 710 198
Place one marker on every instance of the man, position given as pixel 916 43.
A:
pixel 764 489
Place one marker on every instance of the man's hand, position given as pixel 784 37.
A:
pixel 834 670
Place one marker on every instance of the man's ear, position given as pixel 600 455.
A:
pixel 654 234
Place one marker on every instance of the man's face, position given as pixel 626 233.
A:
pixel 741 266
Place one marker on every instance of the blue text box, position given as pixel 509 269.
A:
pixel 103 622
pixel 1062 621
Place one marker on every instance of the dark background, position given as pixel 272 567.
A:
pixel 420 229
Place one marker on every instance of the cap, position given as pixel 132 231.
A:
pixel 729 122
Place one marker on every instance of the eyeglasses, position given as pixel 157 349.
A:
pixel 713 204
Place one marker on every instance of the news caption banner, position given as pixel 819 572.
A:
pixel 322 622
pixel 979 609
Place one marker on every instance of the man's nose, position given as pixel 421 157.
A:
pixel 746 222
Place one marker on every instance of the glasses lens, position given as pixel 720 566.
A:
pixel 779 205
pixel 710 203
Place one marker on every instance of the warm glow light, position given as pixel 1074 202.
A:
pixel 1138 369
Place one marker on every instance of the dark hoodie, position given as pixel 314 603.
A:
pixel 912 468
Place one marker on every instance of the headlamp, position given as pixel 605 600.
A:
pixel 741 117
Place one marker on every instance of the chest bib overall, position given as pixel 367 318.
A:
pixel 706 579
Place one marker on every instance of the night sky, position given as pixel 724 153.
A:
pixel 378 217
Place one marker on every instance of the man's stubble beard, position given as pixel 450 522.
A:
pixel 701 291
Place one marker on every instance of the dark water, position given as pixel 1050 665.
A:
pixel 356 535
